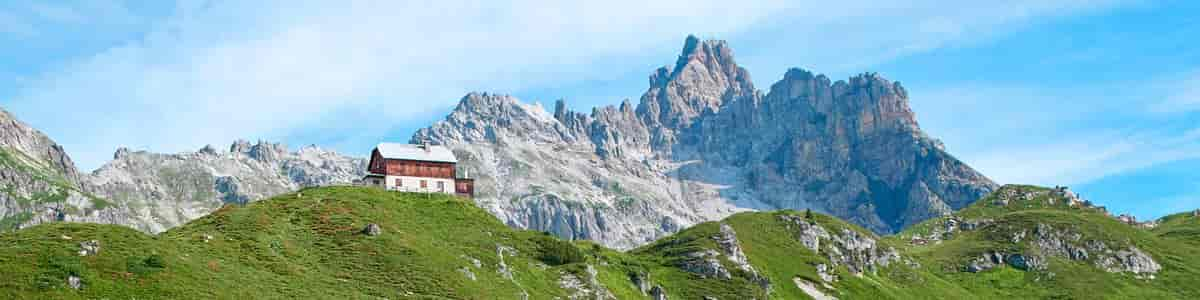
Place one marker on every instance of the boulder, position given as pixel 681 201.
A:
pixel 467 272
pixel 641 281
pixel 1026 263
pixel 74 282
pixel 89 248
pixel 657 293
pixel 372 230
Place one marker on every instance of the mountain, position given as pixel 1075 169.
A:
pixel 148 191
pixel 39 181
pixel 1019 242
pixel 703 144
pixel 166 190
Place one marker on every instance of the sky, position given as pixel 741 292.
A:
pixel 1102 96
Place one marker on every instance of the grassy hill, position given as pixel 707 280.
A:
pixel 312 244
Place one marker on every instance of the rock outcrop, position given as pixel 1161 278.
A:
pixel 160 191
pixel 858 252
pixel 706 264
pixel 148 191
pixel 1030 247
pixel 702 144
pixel 590 289
pixel 39 182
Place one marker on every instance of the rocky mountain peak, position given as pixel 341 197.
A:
pixel 714 55
pixel 261 151
pixel 121 153
pixel 485 104
pixel 871 101
pixel 240 146
pixel 495 118
pixel 31 143
pixel 208 150
pixel 705 76
pixel 703 143
pixel 560 109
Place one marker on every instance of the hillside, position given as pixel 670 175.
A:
pixel 305 244
pixel 1046 243
pixel 313 244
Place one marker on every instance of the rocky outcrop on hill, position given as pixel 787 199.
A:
pixel 1030 246
pixel 706 264
pixel 702 144
pixel 858 252
pixel 590 289
pixel 1064 243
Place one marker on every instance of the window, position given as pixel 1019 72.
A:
pixel 424 184
pixel 399 182
pixel 375 181
pixel 442 186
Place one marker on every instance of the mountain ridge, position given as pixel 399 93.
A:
pixel 703 143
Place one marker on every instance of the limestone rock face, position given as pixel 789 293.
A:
pixel 149 191
pixel 702 144
pixel 39 182
pixel 18 137
pixel 160 191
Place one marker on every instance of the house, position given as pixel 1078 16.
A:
pixel 417 168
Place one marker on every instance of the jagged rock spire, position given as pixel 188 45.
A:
pixel 704 78
pixel 703 136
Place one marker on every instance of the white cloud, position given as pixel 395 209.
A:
pixel 1184 96
pixel 1082 159
pixel 214 71
pixel 855 35
pixel 1056 135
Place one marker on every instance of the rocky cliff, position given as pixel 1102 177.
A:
pixel 161 191
pixel 39 181
pixel 149 191
pixel 701 144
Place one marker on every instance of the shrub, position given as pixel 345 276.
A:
pixel 58 267
pixel 556 252
pixel 154 261
pixel 148 265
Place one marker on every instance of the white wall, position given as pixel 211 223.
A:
pixel 370 182
pixel 413 184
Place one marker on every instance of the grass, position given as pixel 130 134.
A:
pixel 311 246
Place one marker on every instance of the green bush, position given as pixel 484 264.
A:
pixel 58 267
pixel 556 252
pixel 154 261
pixel 148 265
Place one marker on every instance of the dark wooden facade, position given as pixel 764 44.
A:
pixel 411 168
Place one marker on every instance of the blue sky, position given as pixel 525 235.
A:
pixel 1103 96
